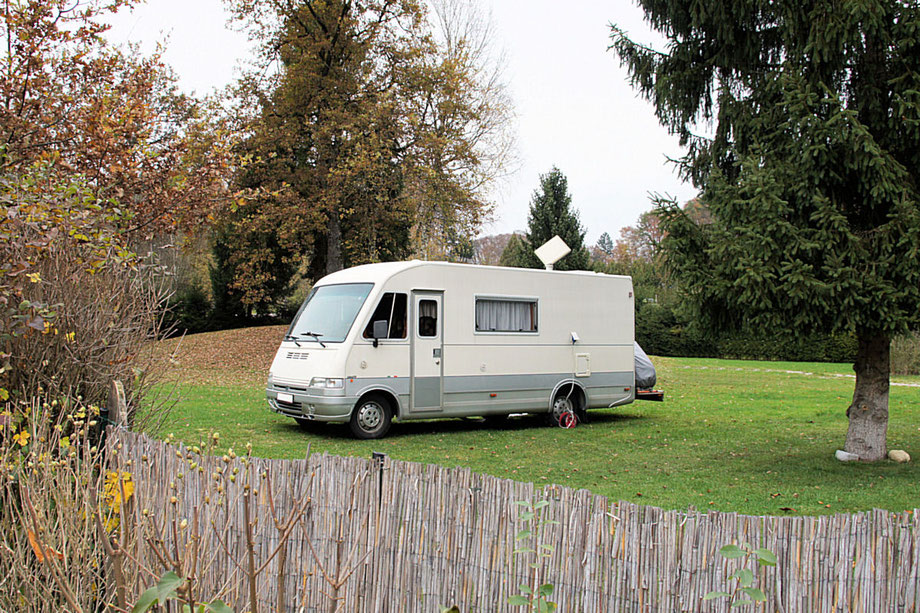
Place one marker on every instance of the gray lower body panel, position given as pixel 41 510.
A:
pixel 501 394
pixel 427 394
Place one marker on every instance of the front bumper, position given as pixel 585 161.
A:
pixel 310 403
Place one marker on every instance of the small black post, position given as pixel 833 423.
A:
pixel 379 458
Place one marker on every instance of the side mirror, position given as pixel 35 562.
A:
pixel 380 330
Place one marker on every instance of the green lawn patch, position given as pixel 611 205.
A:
pixel 752 437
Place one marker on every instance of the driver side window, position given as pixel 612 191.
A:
pixel 391 309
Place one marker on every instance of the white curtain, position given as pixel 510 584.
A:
pixel 427 318
pixel 428 308
pixel 506 315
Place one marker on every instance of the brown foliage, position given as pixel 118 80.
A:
pixel 110 116
pixel 102 326
pixel 488 249
pixel 227 357
pixel 376 138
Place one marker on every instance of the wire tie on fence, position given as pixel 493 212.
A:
pixel 106 421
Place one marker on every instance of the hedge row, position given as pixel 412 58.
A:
pixel 660 332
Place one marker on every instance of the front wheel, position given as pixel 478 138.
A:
pixel 371 418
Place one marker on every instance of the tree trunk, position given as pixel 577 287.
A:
pixel 334 243
pixel 868 430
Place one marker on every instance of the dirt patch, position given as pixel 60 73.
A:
pixel 243 355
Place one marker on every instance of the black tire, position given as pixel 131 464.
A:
pixel 371 418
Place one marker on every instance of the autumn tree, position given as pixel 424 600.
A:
pixel 551 214
pixel 488 249
pixel 374 138
pixel 271 265
pixel 463 140
pixel 97 150
pixel 108 115
pixel 810 178
pixel 639 242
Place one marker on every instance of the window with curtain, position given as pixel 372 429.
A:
pixel 427 318
pixel 501 315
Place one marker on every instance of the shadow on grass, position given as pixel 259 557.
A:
pixel 461 424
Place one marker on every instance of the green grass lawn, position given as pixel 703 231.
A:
pixel 731 435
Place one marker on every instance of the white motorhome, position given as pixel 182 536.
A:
pixel 421 340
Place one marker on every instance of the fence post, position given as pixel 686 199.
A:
pixel 379 460
pixel 116 406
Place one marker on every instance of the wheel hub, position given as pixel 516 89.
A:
pixel 370 416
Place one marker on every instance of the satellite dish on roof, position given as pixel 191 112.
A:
pixel 552 251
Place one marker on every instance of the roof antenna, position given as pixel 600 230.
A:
pixel 552 251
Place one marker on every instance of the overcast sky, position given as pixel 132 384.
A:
pixel 574 107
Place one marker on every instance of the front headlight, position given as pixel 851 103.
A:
pixel 271 377
pixel 328 383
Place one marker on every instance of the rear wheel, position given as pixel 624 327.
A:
pixel 564 407
pixel 371 418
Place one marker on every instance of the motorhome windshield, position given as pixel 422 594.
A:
pixel 328 312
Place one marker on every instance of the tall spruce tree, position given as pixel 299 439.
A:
pixel 811 177
pixel 605 244
pixel 517 253
pixel 551 213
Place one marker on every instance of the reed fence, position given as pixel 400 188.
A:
pixel 332 533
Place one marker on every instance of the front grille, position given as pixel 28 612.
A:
pixel 289 388
pixel 290 408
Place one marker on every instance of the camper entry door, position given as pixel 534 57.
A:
pixel 427 347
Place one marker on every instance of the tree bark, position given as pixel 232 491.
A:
pixel 868 413
pixel 334 243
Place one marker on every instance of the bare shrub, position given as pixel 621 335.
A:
pixel 50 473
pixel 905 354
pixel 75 537
pixel 102 328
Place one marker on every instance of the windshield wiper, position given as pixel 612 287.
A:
pixel 316 336
pixel 291 337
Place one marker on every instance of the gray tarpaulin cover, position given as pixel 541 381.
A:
pixel 645 370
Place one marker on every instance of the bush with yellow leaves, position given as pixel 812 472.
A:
pixel 57 502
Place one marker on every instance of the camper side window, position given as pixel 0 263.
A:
pixel 427 318
pixel 392 309
pixel 504 315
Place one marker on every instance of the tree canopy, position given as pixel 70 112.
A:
pixel 109 115
pixel 810 177
pixel 551 213
pixel 377 135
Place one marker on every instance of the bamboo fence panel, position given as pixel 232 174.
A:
pixel 352 534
